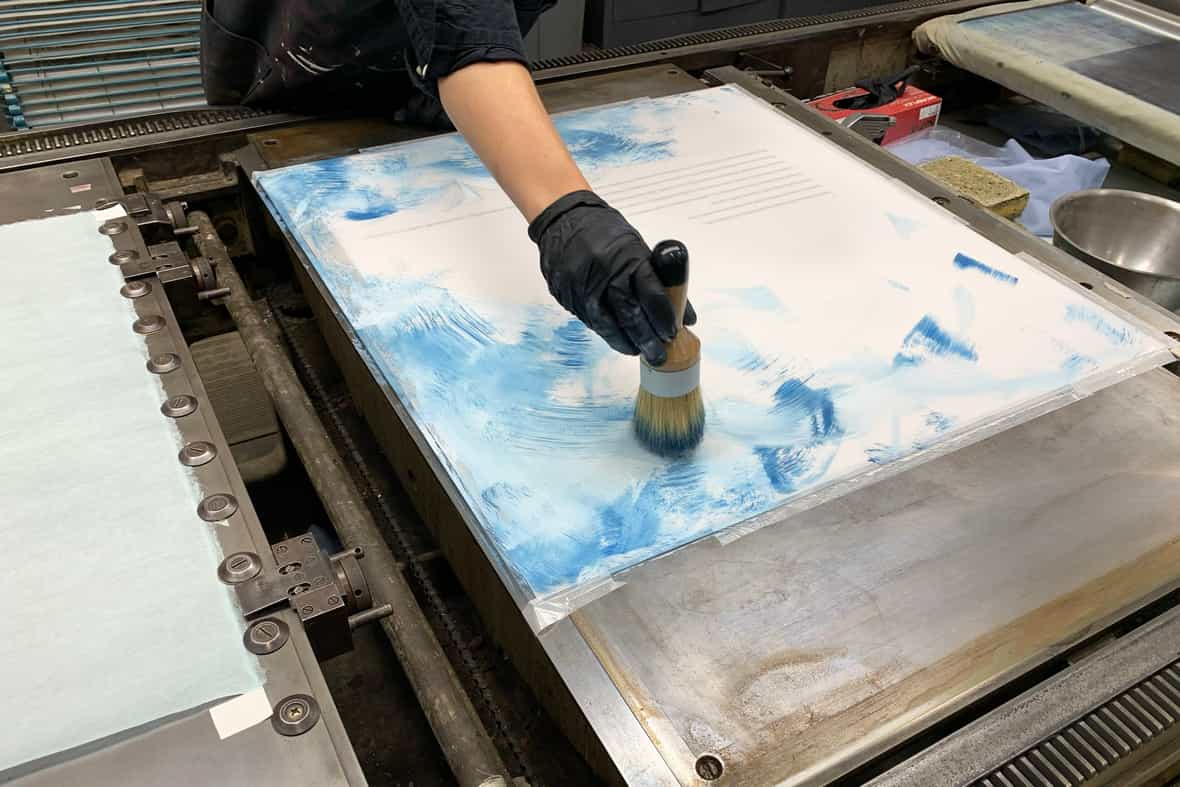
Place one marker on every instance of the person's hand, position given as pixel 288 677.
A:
pixel 599 269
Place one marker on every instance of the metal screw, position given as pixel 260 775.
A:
pixel 239 567
pixel 163 363
pixel 135 289
pixel 295 715
pixel 179 406
pixel 113 227
pixel 197 453
pixel 152 323
pixel 289 568
pixel 217 507
pixel 333 600
pixel 266 636
pixel 281 549
pixel 941 200
pixel 307 540
pixel 123 255
pixel 306 610
pixel 103 204
pixel 710 767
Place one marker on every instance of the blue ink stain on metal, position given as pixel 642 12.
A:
pixel 898 285
pixel 927 339
pixel 903 225
pixel 1083 314
pixel 963 262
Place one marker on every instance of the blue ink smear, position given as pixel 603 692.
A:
pixel 881 454
pixel 1114 333
pixel 928 339
pixel 371 212
pixel 572 344
pixel 898 285
pixel 1077 363
pixel 628 523
pixel 752 362
pixel 963 262
pixel 604 146
pixel 759 298
pixel 902 225
pixel 782 466
pixel 815 403
pixel 938 422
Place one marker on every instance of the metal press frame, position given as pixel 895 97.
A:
pixel 562 665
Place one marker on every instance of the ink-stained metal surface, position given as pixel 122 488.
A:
pixel 809 382
pixel 1099 467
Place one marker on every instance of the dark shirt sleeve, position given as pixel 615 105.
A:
pixel 446 35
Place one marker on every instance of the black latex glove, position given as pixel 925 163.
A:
pixel 599 268
pixel 425 112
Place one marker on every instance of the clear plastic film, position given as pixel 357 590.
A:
pixel 850 329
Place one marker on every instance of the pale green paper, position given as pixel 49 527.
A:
pixel 113 615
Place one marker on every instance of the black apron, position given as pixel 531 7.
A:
pixel 308 56
pixel 319 55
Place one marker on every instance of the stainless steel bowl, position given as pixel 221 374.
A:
pixel 1134 238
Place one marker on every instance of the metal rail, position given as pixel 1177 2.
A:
pixel 468 749
pixel 46 45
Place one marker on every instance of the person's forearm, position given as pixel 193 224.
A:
pixel 496 108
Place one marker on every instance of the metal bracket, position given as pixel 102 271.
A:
pixel 328 592
pixel 161 226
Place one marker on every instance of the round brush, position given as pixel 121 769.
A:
pixel 669 411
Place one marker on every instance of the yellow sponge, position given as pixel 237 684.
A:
pixel 994 192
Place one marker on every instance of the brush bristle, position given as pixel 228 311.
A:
pixel 670 427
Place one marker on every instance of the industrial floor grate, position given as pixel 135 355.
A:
pixel 80 61
pixel 1111 732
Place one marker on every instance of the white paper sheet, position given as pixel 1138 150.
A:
pixel 113 615
pixel 847 324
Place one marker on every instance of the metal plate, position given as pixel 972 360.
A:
pixel 911 597
pixel 58 189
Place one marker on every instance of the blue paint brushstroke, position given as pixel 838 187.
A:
pixel 938 421
pixel 963 262
pixel 902 225
pixel 816 404
pixel 758 298
pixel 1116 334
pixel 927 339
pixel 970 263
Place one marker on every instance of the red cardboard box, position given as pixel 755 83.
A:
pixel 915 109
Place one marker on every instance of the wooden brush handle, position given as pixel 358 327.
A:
pixel 670 260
